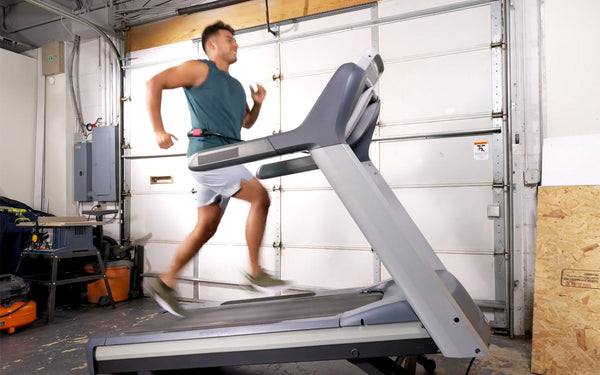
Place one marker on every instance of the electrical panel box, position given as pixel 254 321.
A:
pixel 53 58
pixel 82 176
pixel 105 163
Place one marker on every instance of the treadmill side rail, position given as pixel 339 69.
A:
pixel 277 347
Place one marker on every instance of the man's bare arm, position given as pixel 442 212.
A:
pixel 189 74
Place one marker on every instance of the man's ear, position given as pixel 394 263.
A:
pixel 210 45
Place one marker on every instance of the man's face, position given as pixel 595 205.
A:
pixel 225 46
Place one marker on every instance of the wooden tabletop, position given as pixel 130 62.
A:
pixel 64 221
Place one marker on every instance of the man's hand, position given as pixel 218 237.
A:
pixel 164 139
pixel 258 95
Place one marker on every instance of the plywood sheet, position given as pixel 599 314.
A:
pixel 239 16
pixel 566 321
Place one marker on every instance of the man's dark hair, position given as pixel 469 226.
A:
pixel 213 29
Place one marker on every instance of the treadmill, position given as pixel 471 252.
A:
pixel 423 309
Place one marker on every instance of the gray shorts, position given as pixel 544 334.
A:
pixel 218 185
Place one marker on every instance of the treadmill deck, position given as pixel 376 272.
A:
pixel 259 311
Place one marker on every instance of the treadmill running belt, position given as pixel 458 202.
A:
pixel 264 311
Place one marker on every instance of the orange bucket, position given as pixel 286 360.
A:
pixel 118 279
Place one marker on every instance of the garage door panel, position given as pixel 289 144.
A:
pixel 436 162
pixel 436 35
pixel 451 218
pixel 305 180
pixel 318 218
pixel 320 23
pixel 223 263
pixel 257 66
pixel 325 53
pixel 444 125
pixel 174 111
pixel 228 264
pixel 161 175
pixel 328 268
pixel 184 50
pixel 253 64
pixel 393 7
pixel 245 38
pixel 298 95
pixel 475 272
pixel 433 88
pixel 169 217
pixel 158 257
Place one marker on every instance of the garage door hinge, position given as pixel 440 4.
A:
pixel 277 244
pixel 126 99
pixel 125 145
pixel 497 114
pixel 497 44
pixel 126 193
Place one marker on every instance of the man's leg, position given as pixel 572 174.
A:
pixel 209 218
pixel 254 193
pixel 163 289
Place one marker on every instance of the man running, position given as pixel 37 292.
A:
pixel 217 104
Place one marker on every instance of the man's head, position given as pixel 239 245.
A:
pixel 218 40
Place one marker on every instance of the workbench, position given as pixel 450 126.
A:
pixel 68 238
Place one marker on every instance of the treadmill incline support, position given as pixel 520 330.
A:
pixel 406 254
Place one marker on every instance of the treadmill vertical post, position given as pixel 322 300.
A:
pixel 402 248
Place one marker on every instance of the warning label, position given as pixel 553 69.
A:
pixel 588 279
pixel 481 150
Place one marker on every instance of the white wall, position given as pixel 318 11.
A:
pixel 61 129
pixel 572 59
pixel 18 88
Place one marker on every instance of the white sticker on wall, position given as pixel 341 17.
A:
pixel 481 150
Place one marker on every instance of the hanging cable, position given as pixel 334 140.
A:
pixel 268 24
pixel 4 18
pixel 75 93
pixel 470 364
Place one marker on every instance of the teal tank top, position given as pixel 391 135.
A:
pixel 218 105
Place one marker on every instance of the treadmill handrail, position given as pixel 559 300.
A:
pixel 359 140
pixel 325 125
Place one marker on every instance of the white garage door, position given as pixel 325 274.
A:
pixel 439 144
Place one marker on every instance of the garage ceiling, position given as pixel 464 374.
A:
pixel 25 26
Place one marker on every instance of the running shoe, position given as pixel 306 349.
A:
pixel 166 297
pixel 265 283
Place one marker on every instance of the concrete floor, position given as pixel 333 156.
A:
pixel 59 348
